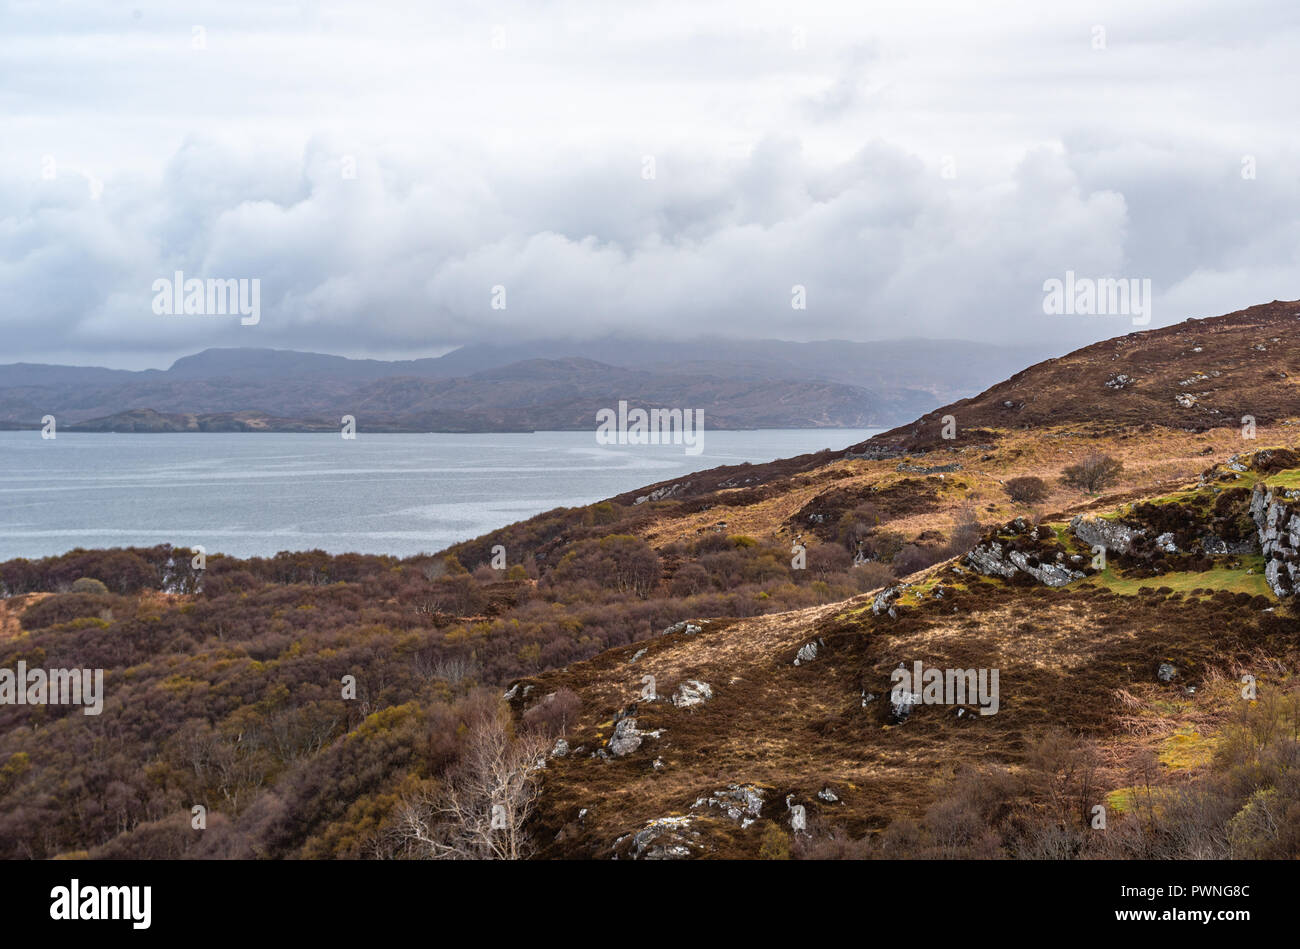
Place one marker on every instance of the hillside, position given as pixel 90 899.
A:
pixel 1120 680
pixel 557 385
pixel 1139 664
pixel 1161 401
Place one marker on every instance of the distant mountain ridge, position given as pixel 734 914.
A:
pixel 552 385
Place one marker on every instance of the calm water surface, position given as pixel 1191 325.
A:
pixel 252 494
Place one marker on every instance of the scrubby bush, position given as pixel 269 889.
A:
pixel 1093 473
pixel 618 562
pixel 774 844
pixel 554 715
pixel 1026 490
pixel 88 585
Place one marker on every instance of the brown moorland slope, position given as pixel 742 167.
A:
pixel 1137 664
pixel 736 723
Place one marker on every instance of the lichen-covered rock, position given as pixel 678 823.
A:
pixel 742 803
pixel 808 652
pixel 989 559
pixel 1115 536
pixel 901 705
pixel 1052 574
pixel 884 601
pixel 1166 672
pixel 626 739
pixel 992 559
pixel 667 491
pixel 1278 529
pixel 664 838
pixel 692 692
pixel 690 629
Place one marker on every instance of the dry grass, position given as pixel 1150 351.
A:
pixel 1158 461
pixel 10 611
pixel 1084 660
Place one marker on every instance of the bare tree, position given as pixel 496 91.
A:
pixel 480 811
pixel 1093 473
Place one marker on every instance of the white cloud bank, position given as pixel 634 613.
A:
pixel 921 171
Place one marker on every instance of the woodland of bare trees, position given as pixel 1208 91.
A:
pixel 481 810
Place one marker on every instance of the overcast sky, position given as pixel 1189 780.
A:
pixel 920 168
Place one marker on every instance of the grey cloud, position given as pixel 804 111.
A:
pixel 774 167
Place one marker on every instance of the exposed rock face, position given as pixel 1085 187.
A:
pixel 1166 672
pixel 664 838
pixel 808 652
pixel 883 603
pixel 692 692
pixel 739 802
pixel 667 491
pixel 990 560
pixel 875 454
pixel 690 629
pixel 1052 574
pixel 626 739
pixel 993 559
pixel 1215 545
pixel 1279 538
pixel 901 705
pixel 1115 536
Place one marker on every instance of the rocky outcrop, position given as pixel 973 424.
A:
pixel 690 629
pixel 808 652
pixel 1047 572
pixel 875 454
pixel 664 493
pixel 1115 536
pixel 1278 527
pixel 692 692
pixel 627 737
pixel 742 803
pixel 901 704
pixel 884 601
pixel 664 838
pixel 992 558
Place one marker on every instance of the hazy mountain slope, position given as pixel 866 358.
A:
pixel 537 394
pixel 1244 363
pixel 525 386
